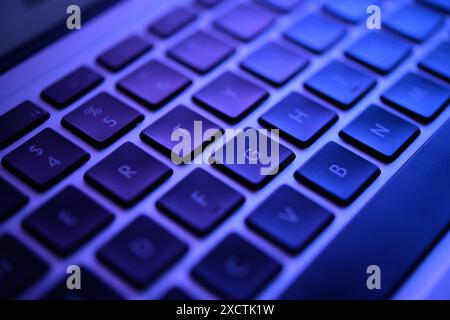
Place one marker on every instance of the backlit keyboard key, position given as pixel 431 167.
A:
pixel 380 133
pixel 338 173
pixel 67 221
pixel 236 269
pixel 246 21
pixel 417 97
pixel 159 133
pixel 299 119
pixel 12 199
pixel 127 174
pixel 349 10
pixel 200 201
pixel 371 51
pixel 154 84
pixel 438 62
pixel 414 21
pixel 289 219
pixel 102 120
pixel 230 97
pixel 201 52
pixel 260 161
pixel 124 53
pixel 141 251
pixel 172 22
pixel 20 120
pixel 19 267
pixel 45 159
pixel 280 5
pixel 92 288
pixel 209 3
pixel 341 84
pixel 71 87
pixel 316 33
pixel 274 63
pixel 442 5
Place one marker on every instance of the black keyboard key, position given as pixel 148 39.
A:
pixel 172 22
pixel 154 84
pixel 209 3
pixel 438 62
pixel 338 173
pixel 280 5
pixel 159 133
pixel 201 52
pixel 12 199
pixel 124 53
pixel 127 174
pixel 316 33
pixel 371 50
pixel 418 97
pixel 352 11
pixel 176 294
pixel 45 159
pixel 200 201
pixel 20 120
pixel 341 84
pixel 236 269
pixel 394 231
pixel 141 251
pixel 19 267
pixel 289 219
pixel 256 158
pixel 230 96
pixel 71 87
pixel 442 5
pixel 299 119
pixel 102 120
pixel 274 63
pixel 380 133
pixel 246 21
pixel 414 22
pixel 92 288
pixel 67 221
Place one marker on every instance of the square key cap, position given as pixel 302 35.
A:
pixel 236 269
pixel 438 62
pixel 127 174
pixel 200 201
pixel 19 121
pixel 19 267
pixel 201 52
pixel 68 220
pixel 124 53
pixel 154 84
pixel 159 133
pixel 102 120
pixel 255 160
pixel 299 119
pixel 338 173
pixel 230 96
pixel 246 21
pixel 141 251
pixel 380 133
pixel 418 97
pixel 274 63
pixel 71 87
pixel 340 83
pixel 316 33
pixel 414 21
pixel 371 50
pixel 45 159
pixel 12 199
pixel 352 11
pixel 172 22
pixel 289 219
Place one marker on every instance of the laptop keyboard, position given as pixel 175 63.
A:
pixel 143 250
